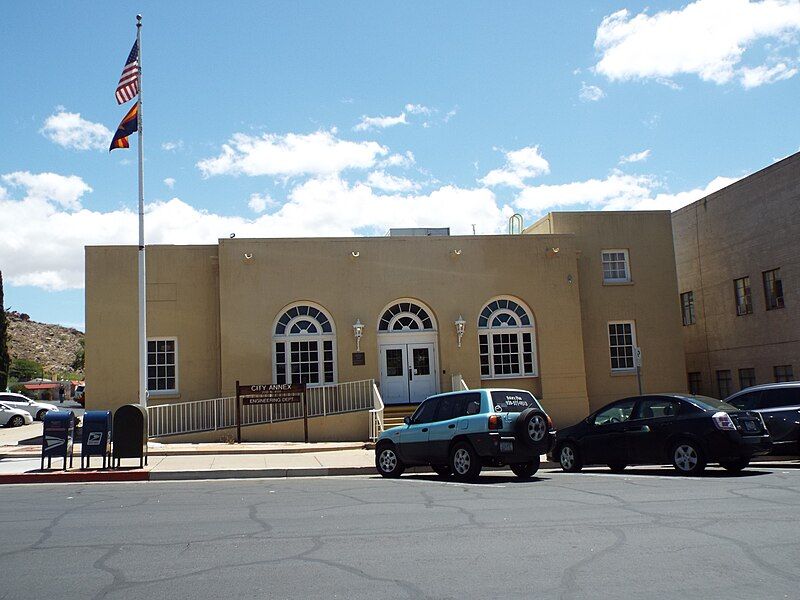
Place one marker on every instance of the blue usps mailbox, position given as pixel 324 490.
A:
pixel 96 436
pixel 58 435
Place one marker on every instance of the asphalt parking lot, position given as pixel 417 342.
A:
pixel 647 533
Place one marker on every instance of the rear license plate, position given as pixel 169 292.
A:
pixel 506 446
pixel 750 426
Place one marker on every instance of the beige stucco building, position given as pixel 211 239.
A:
pixel 557 310
pixel 738 267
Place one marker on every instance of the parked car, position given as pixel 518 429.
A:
pixel 461 432
pixel 685 430
pixel 36 409
pixel 779 406
pixel 14 417
pixel 80 394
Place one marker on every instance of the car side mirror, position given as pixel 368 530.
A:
pixel 407 420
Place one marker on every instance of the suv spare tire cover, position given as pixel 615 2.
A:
pixel 523 422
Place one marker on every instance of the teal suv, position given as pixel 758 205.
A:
pixel 460 432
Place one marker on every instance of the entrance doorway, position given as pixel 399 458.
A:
pixel 408 353
pixel 408 375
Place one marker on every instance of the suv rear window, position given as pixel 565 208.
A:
pixel 515 401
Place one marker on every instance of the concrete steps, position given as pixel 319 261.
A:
pixel 393 415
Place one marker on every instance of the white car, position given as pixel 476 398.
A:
pixel 14 417
pixel 36 409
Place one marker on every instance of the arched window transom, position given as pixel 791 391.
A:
pixel 405 316
pixel 303 344
pixel 506 340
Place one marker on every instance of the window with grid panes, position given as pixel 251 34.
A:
pixel 723 384
pixel 506 342
pixel 687 308
pixel 304 347
pixel 162 366
pixel 621 342
pixel 783 373
pixel 615 266
pixel 744 302
pixel 695 381
pixel 773 289
pixel 747 378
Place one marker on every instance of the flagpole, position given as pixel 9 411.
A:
pixel 142 294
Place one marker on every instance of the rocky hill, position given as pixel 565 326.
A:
pixel 52 346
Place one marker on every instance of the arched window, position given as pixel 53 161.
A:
pixel 304 340
pixel 405 316
pixel 506 340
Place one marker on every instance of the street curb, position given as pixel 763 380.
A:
pixel 74 477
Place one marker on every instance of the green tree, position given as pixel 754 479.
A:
pixel 5 359
pixel 24 369
pixel 80 356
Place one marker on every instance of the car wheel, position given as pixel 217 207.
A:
pixel 688 458
pixel 16 421
pixel 465 462
pixel 532 427
pixel 387 462
pixel 570 458
pixel 617 467
pixel 735 466
pixel 443 471
pixel 526 470
pixel 40 415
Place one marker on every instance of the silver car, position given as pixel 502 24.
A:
pixel 14 417
pixel 37 410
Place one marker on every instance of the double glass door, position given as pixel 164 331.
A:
pixel 408 375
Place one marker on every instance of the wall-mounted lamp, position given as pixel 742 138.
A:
pixel 552 251
pixel 355 254
pixel 460 324
pixel 247 257
pixel 358 331
pixel 456 252
pixel 569 279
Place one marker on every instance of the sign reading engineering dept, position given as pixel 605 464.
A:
pixel 271 393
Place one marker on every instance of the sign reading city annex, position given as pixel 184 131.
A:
pixel 272 393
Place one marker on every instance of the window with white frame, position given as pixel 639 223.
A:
pixel 303 344
pixel 506 340
pixel 621 342
pixel 615 266
pixel 162 365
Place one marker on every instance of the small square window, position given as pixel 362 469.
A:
pixel 783 373
pixel 695 382
pixel 747 378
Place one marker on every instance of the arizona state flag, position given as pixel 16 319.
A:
pixel 127 126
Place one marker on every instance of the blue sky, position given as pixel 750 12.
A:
pixel 307 119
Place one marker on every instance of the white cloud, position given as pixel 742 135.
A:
pixel 591 93
pixel 42 243
pixel 63 190
pixel 399 160
pixel 169 182
pixel 707 38
pixel 380 122
pixel 291 155
pixel 390 183
pixel 258 203
pixel 417 109
pixel 172 146
pixel 70 130
pixel 450 114
pixel 618 191
pixel 521 164
pixel 760 75
pixel 635 157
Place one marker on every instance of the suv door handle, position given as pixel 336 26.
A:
pixel 642 429
pixel 424 429
pixel 451 426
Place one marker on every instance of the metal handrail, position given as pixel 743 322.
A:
pixel 220 413
pixel 376 414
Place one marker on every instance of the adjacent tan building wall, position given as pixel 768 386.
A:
pixel 650 299
pixel 742 230
pixel 182 302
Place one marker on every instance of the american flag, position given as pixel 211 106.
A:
pixel 128 85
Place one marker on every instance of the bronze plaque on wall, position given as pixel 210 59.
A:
pixel 359 359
